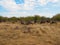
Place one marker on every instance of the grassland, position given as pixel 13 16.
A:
pixel 36 34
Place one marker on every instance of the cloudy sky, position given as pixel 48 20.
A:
pixel 29 7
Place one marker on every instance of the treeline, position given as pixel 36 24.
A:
pixel 35 18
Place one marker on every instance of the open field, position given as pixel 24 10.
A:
pixel 36 34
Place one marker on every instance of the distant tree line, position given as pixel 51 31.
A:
pixel 35 18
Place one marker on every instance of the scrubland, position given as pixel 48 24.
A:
pixel 32 34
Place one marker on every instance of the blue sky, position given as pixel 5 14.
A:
pixel 19 8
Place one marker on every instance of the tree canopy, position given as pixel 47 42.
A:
pixel 35 18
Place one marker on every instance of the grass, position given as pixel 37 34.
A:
pixel 36 34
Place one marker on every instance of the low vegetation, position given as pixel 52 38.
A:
pixel 36 34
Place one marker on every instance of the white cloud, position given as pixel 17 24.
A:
pixel 24 14
pixel 53 1
pixel 11 14
pixel 44 2
pixel 12 6
pixel 28 4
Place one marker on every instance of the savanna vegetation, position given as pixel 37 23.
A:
pixel 31 30
pixel 35 19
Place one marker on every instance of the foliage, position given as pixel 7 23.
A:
pixel 14 19
pixel 56 17
pixel 35 18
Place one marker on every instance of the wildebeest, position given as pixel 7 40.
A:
pixel 29 22
pixel 42 21
pixel 53 22
pixel 26 22
pixel 22 22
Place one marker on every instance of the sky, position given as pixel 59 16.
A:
pixel 20 8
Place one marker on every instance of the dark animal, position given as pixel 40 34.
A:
pixel 53 22
pixel 42 21
pixel 48 21
pixel 29 22
pixel 22 22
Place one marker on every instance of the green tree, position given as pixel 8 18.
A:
pixel 37 18
pixel 56 17
pixel 29 18
pixel 13 19
pixel 1 18
pixel 43 18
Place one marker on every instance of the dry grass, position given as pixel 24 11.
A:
pixel 36 34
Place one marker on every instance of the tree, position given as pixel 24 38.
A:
pixel 36 18
pixel 29 18
pixel 56 17
pixel 1 18
pixel 13 19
